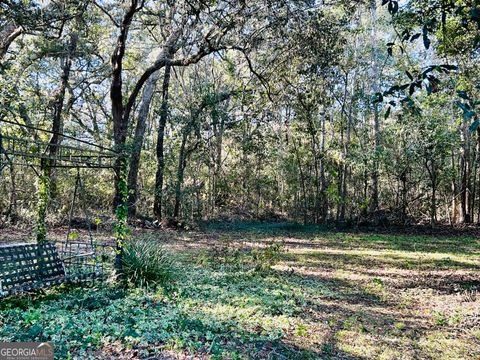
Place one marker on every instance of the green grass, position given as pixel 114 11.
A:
pixel 328 296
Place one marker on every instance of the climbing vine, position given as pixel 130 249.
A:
pixel 121 229
pixel 43 196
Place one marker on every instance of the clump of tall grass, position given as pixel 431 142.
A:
pixel 145 263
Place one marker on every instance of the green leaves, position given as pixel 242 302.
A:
pixel 468 108
pixel 393 6
pixel 426 40
pixel 474 125
pixel 387 113
pixel 417 81
pixel 377 98
pixel 463 95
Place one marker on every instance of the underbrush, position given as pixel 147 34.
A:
pixel 335 296
pixel 217 314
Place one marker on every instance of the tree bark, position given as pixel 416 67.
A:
pixel 323 183
pixel 58 105
pixel 466 172
pixel 376 123
pixel 46 183
pixel 120 122
pixel 182 163
pixel 302 181
pixel 218 130
pixel 158 197
pixel 12 32
pixel 138 143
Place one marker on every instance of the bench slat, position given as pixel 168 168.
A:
pixel 25 267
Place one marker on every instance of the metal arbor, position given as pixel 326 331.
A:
pixel 25 266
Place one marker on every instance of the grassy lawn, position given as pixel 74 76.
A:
pixel 328 296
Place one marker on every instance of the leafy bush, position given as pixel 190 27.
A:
pixel 147 264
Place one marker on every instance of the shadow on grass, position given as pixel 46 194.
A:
pixel 315 236
pixel 346 261
pixel 276 294
pixel 226 311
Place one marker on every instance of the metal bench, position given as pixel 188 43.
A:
pixel 25 267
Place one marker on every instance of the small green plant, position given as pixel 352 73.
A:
pixel 73 236
pixel 440 319
pixel 147 264
pixel 265 258
pixel 301 330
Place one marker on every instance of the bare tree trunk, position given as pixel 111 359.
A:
pixel 12 207
pixel 312 130
pixel 477 176
pixel 138 143
pixel 218 129
pixel 473 182
pixel 59 99
pixel 120 120
pixel 432 172
pixel 246 167
pixel 465 183
pixel 346 149
pixel 158 197
pixel 341 167
pixel 302 182
pixel 323 183
pixel 46 183
pixel 454 188
pixel 434 205
pixel 182 163
pixel 376 122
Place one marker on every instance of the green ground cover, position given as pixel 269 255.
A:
pixel 275 291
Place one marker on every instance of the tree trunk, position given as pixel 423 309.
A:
pixel 157 205
pixel 302 182
pixel 12 207
pixel 403 180
pixel 120 121
pixel 138 143
pixel 58 105
pixel 454 188
pixel 46 182
pixel 432 172
pixel 346 151
pixel 12 32
pixel 376 122
pixel 323 183
pixel 314 148
pixel 218 129
pixel 465 182
pixel 180 173
pixel 473 182
pixel 477 167
pixel 433 211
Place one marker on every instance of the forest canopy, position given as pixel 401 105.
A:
pixel 314 111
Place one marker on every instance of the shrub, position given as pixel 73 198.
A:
pixel 147 264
